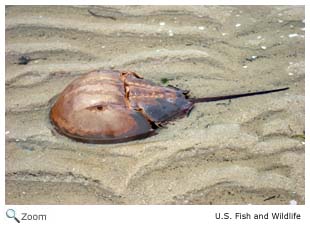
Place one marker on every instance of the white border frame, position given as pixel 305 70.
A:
pixel 150 216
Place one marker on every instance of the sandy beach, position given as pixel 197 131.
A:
pixel 243 151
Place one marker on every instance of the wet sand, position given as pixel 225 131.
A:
pixel 243 151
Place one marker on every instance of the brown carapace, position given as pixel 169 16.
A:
pixel 119 106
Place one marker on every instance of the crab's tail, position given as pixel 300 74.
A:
pixel 209 99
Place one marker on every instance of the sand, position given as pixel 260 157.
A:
pixel 244 151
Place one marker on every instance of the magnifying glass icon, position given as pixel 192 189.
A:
pixel 10 213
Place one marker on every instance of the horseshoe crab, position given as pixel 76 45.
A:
pixel 119 106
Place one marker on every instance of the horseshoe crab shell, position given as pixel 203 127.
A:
pixel 114 106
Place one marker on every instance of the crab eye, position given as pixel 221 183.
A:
pixel 99 107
